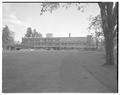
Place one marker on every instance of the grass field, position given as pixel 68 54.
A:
pixel 56 71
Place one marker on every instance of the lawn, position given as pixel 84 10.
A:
pixel 57 71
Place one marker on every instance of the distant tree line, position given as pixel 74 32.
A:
pixel 8 36
pixel 34 33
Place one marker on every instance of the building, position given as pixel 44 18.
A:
pixel 49 35
pixel 55 43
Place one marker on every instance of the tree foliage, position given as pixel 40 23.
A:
pixel 48 7
pixel 7 37
pixel 36 34
pixel 96 24
pixel 95 27
pixel 29 32
pixel 52 6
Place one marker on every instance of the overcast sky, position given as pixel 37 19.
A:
pixel 19 16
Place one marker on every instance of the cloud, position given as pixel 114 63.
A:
pixel 14 20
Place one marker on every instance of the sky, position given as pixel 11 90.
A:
pixel 20 16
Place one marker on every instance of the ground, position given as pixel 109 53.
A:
pixel 57 71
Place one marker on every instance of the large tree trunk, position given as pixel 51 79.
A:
pixel 109 48
pixel 109 21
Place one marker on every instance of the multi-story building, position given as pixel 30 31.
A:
pixel 49 35
pixel 55 43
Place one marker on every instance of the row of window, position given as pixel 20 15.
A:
pixel 50 40
pixel 39 43
pixel 42 40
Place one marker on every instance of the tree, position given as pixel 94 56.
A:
pixel 29 32
pixel 35 33
pixel 52 6
pixel 89 42
pixel 108 22
pixel 7 37
pixel 109 14
pixel 96 27
pixel 40 35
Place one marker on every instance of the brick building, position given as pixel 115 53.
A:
pixel 55 43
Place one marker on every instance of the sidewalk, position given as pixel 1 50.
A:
pixel 106 74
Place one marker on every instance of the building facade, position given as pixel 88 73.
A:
pixel 55 43
pixel 49 35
